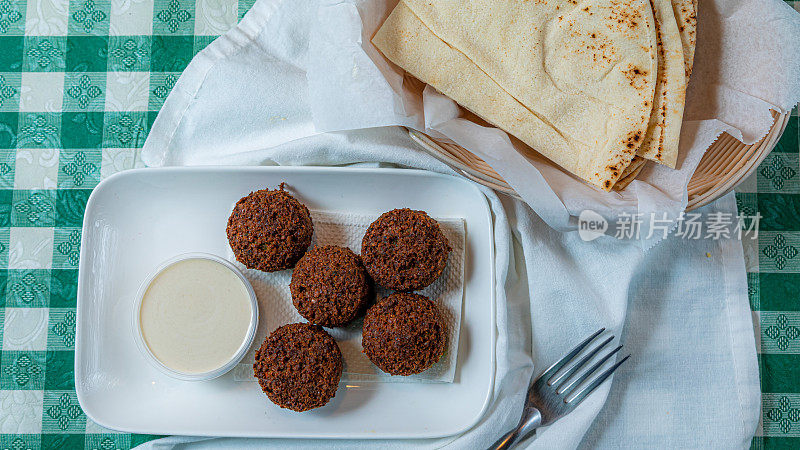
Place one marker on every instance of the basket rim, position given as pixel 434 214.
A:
pixel 749 158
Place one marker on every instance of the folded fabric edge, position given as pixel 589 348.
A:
pixel 763 117
pixel 740 323
pixel 162 132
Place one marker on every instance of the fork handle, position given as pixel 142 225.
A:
pixel 531 420
pixel 510 439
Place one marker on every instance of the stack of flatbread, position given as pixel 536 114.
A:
pixel 596 86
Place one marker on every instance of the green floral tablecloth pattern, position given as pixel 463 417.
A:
pixel 81 81
pixel 773 278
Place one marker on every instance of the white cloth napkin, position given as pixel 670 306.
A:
pixel 692 379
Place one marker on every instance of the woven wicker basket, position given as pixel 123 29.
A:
pixel 724 165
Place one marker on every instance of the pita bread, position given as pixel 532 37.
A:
pixel 630 173
pixel 623 182
pixel 686 16
pixel 573 81
pixel 663 132
pixel 635 164
pixel 404 40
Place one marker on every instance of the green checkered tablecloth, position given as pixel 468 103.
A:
pixel 80 84
pixel 81 81
pixel 773 279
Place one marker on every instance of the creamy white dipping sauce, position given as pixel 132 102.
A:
pixel 195 315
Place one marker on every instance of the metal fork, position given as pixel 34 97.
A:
pixel 551 397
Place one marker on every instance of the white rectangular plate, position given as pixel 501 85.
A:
pixel 139 218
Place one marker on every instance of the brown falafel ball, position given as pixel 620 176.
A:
pixel 329 286
pixel 404 250
pixel 404 334
pixel 269 230
pixel 298 366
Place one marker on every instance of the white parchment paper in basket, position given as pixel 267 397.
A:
pixel 747 62
pixel 347 230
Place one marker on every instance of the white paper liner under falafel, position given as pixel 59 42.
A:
pixel 346 230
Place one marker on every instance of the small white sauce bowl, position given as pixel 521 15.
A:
pixel 196 376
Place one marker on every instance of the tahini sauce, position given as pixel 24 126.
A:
pixel 195 315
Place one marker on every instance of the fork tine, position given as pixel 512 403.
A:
pixel 568 357
pixel 577 366
pixel 589 372
pixel 574 401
